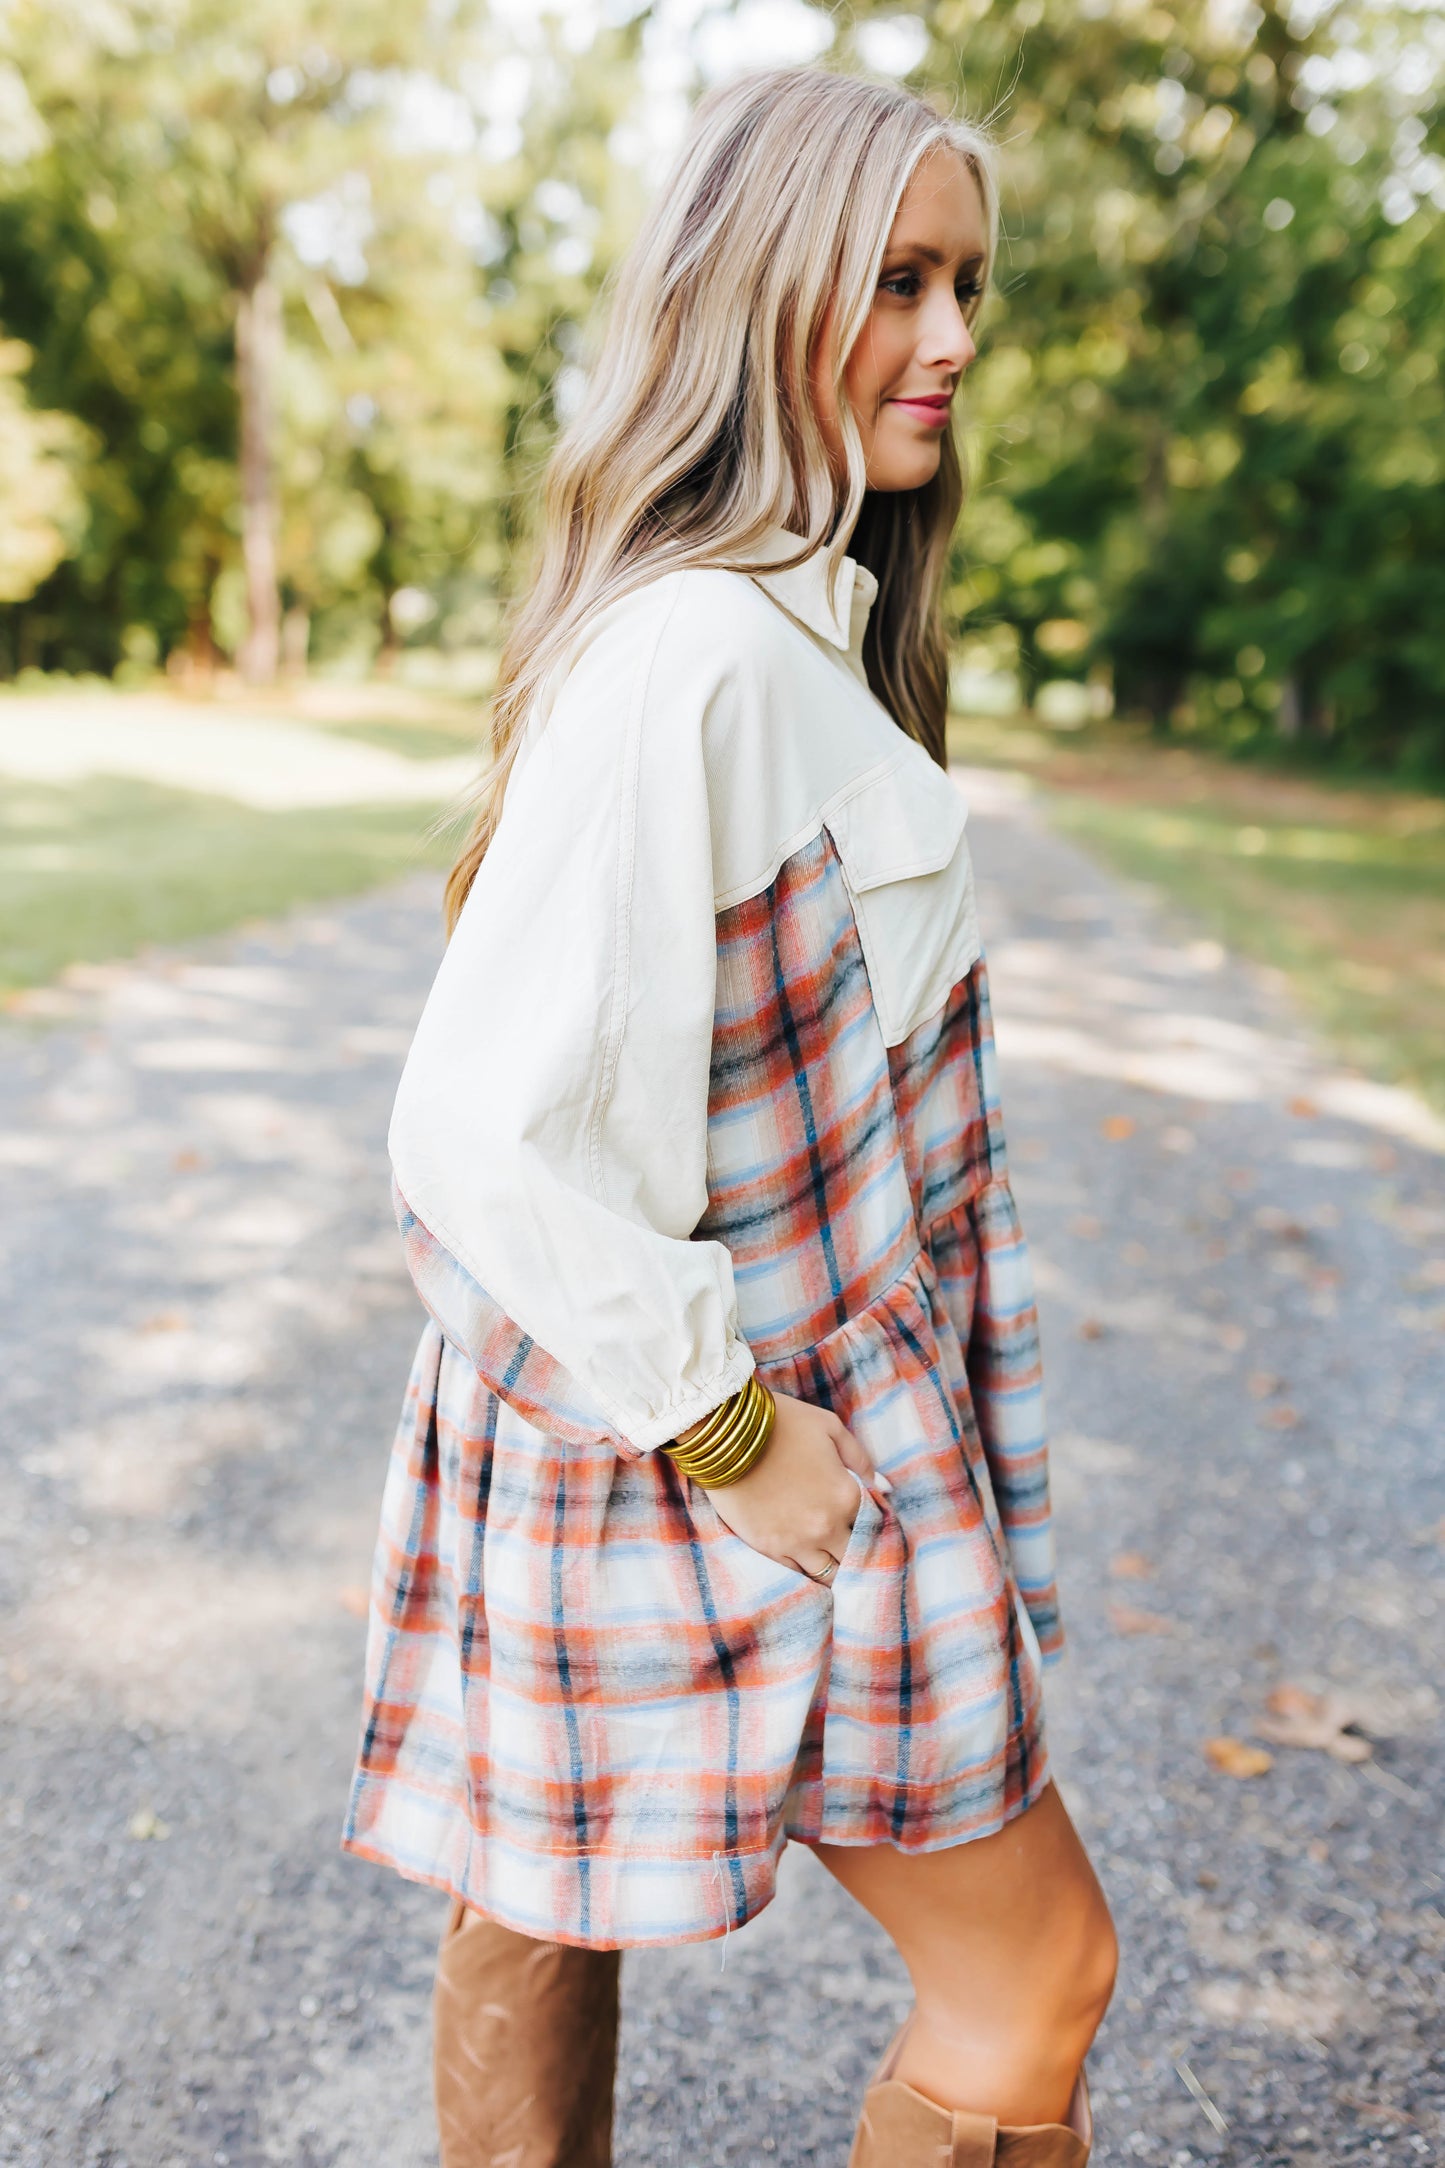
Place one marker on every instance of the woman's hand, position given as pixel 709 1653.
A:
pixel 799 1503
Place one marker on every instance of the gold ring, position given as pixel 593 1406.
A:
pixel 827 1571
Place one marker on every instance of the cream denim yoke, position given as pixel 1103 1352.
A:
pixel 705 1081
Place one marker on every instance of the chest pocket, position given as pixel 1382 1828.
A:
pixel 900 836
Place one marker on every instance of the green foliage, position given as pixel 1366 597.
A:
pixel 1208 410
pixel 432 271
pixel 43 508
pixel 98 869
pixel 1206 420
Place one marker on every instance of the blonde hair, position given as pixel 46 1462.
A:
pixel 698 431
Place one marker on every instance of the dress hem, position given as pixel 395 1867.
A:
pixel 767 1888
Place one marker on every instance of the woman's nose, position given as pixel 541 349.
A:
pixel 947 340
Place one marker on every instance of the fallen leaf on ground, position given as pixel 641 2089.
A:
pixel 1282 1418
pixel 1232 1338
pixel 37 1001
pixel 1296 1717
pixel 1131 1566
pixel 147 1825
pixel 355 1599
pixel 1270 1220
pixel 1090 1328
pixel 1262 1383
pixel 163 1321
pixel 1116 1127
pixel 1304 1108
pixel 1375 2107
pixel 1233 1758
pixel 1125 1619
pixel 187 1161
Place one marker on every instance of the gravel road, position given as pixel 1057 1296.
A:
pixel 205 1331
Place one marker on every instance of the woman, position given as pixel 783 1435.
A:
pixel 719 1511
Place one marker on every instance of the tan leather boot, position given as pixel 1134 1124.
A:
pixel 525 2048
pixel 898 2128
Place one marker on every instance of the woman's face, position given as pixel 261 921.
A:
pixel 901 376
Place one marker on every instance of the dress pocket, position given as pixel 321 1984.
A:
pixel 900 835
pixel 765 1578
pixel 865 1527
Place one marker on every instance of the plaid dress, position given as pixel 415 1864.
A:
pixel 590 1709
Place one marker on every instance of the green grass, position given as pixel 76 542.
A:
pixel 414 741
pixel 1342 887
pixel 97 870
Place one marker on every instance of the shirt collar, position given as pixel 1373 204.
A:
pixel 840 618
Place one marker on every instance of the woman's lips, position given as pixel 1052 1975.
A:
pixel 931 409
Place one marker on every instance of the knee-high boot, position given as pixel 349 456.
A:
pixel 525 2048
pixel 899 2128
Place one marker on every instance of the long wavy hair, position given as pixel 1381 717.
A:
pixel 699 428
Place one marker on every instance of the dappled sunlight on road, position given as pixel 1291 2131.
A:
pixel 1241 1267
pixel 1106 998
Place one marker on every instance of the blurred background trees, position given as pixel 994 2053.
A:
pixel 1211 407
pixel 293 295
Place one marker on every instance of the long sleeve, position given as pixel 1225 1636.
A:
pixel 549 1140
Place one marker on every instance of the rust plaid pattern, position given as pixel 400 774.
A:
pixel 590 1709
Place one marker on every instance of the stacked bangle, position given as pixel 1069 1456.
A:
pixel 731 1441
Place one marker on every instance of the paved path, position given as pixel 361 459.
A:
pixel 205 1332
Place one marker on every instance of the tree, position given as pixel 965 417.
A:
pixel 1209 409
pixel 202 127
pixel 309 274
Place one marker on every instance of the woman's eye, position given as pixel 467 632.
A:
pixel 907 285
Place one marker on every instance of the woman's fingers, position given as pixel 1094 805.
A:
pixel 799 1501
pixel 855 1457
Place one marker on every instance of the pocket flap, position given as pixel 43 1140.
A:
pixel 907 819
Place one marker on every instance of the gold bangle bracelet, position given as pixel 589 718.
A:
pixel 735 1455
pixel 731 1466
pixel 724 1441
pixel 732 1440
pixel 717 1431
pixel 729 1444
pixel 718 1425
pixel 724 1420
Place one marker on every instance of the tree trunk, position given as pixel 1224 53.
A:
pixel 1291 707
pixel 384 661
pixel 1154 492
pixel 198 659
pixel 258 367
pixel 295 640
